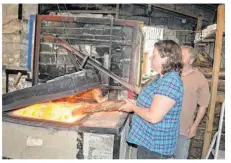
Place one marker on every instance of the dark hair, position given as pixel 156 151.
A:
pixel 171 50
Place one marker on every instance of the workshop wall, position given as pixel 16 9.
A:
pixel 27 10
pixel 11 27
pixel 15 31
pixel 14 41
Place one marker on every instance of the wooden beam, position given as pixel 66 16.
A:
pixel 199 23
pixel 216 69
pixel 199 28
pixel 165 7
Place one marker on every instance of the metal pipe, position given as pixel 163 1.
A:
pixel 132 88
pixel 211 145
pixel 105 21
pixel 110 47
pixel 7 82
pixel 106 65
pixel 36 51
pixel 82 35
pixel 219 130
pixel 17 79
pixel 104 42
pixel 84 62
pixel 117 11
pixel 89 11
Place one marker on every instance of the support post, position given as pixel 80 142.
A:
pixel 215 76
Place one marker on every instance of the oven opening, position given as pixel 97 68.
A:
pixel 68 110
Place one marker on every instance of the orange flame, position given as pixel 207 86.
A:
pixel 59 110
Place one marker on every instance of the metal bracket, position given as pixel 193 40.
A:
pixel 84 62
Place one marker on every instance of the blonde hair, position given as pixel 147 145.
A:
pixel 191 51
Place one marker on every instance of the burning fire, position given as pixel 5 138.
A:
pixel 61 110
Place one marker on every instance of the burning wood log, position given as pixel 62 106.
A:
pixel 203 60
pixel 92 95
pixel 105 106
pixel 97 95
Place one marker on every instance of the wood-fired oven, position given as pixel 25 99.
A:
pixel 71 110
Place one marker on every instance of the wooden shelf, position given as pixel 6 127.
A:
pixel 209 38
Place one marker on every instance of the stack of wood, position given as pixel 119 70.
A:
pixel 203 60
pixel 208 74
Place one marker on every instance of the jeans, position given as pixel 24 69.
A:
pixel 144 153
pixel 182 147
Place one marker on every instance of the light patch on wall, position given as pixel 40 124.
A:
pixel 152 35
pixel 183 21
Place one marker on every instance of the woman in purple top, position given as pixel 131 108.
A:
pixel 155 122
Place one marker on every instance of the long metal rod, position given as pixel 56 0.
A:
pixel 110 48
pixel 79 28
pixel 98 41
pixel 219 130
pixel 36 51
pixel 85 35
pixel 92 11
pixel 130 87
pixel 64 26
pixel 211 145
pixel 105 21
pixel 117 11
pixel 71 57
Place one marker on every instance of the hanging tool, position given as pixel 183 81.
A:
pixel 89 60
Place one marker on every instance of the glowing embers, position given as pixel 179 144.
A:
pixel 51 111
pixel 70 109
pixel 61 110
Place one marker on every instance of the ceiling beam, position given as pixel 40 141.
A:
pixel 171 8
